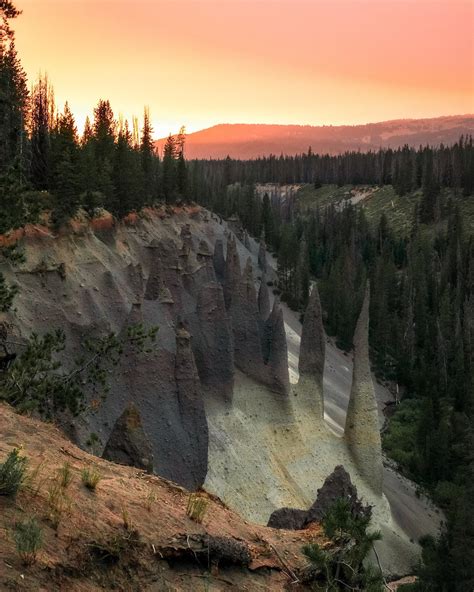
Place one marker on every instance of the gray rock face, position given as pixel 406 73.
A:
pixel 337 485
pixel 170 270
pixel 362 426
pixel 128 444
pixel 213 343
pixel 187 237
pixel 154 284
pixel 232 275
pixel 205 270
pixel 193 417
pixel 219 260
pixel 263 299
pixel 276 354
pixel 245 326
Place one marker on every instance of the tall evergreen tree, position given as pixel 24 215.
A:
pixel 13 107
pixel 104 131
pixel 42 121
pixel 148 159
pixel 169 180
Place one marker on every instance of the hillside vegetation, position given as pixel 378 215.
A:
pixel 376 201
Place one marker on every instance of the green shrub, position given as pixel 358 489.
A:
pixel 400 439
pixel 12 473
pixel 28 537
pixel 345 565
pixel 91 478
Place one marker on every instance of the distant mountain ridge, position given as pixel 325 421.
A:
pixel 244 141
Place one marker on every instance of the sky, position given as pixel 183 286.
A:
pixel 202 62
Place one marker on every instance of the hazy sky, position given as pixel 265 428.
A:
pixel 290 61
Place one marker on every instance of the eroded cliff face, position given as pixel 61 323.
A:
pixel 213 398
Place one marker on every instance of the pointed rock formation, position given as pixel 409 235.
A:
pixel 276 356
pixel 213 343
pixel 232 275
pixel 187 237
pixel 246 240
pixel 263 299
pixel 337 485
pixel 262 255
pixel 165 271
pixel 191 406
pixel 205 271
pixel 312 353
pixel 313 340
pixel 219 261
pixel 128 444
pixel 245 325
pixel 362 432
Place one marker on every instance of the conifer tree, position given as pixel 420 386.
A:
pixel 147 159
pixel 13 107
pixel 169 170
pixel 104 130
pixel 42 121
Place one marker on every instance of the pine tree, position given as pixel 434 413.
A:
pixel 42 121
pixel 126 175
pixel 169 177
pixel 104 131
pixel 13 107
pixel 148 159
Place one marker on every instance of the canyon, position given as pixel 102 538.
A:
pixel 236 397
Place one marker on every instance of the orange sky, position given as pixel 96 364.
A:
pixel 201 62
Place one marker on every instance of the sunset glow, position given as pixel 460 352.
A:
pixel 289 61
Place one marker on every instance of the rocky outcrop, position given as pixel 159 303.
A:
pixel 245 324
pixel 213 343
pixel 219 260
pixel 128 444
pixel 362 432
pixel 191 407
pixel 263 299
pixel 338 485
pixel 312 354
pixel 288 519
pixel 276 353
pixel 168 269
pixel 187 237
pixel 232 274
